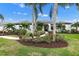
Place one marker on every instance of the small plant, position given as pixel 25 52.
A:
pixel 59 37
pixel 39 26
pixel 48 38
pixel 21 33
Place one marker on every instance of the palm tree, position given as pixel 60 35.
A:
pixel 53 14
pixel 2 20
pixel 35 14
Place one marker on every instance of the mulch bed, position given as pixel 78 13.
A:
pixel 44 44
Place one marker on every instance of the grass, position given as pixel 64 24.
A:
pixel 71 36
pixel 10 47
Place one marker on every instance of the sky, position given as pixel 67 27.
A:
pixel 16 12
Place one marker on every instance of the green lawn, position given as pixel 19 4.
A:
pixel 10 47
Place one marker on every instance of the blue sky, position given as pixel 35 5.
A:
pixel 13 12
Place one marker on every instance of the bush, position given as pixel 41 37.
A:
pixel 39 26
pixel 21 33
pixel 73 31
pixel 49 38
pixel 59 37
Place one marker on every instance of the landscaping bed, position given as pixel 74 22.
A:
pixel 44 44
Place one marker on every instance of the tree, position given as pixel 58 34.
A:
pixel 2 21
pixel 1 18
pixel 61 26
pixel 10 26
pixel 35 14
pixel 24 25
pixel 53 14
pixel 76 25
pixel 39 26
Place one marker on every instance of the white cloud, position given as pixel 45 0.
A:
pixel 20 13
pixel 43 15
pixel 21 5
pixel 25 13
pixel 10 19
pixel 39 14
pixel 75 20
pixel 67 6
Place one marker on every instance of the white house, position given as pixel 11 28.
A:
pixel 68 26
pixel 46 27
pixel 1 28
pixel 49 27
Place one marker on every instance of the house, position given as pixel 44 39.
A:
pixel 67 26
pixel 1 28
pixel 47 26
pixel 75 26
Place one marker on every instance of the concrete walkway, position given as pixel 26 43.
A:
pixel 9 37
pixel 16 38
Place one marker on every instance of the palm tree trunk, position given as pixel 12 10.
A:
pixel 2 24
pixel 33 20
pixel 54 20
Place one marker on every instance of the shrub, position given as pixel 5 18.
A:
pixel 21 33
pixel 49 38
pixel 39 26
pixel 59 37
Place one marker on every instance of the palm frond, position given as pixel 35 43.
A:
pixel 77 5
pixel 65 4
pixel 40 7
pixel 1 17
pixel 50 14
pixel 36 12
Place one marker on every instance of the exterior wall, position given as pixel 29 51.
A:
pixel 31 28
pixel 78 29
pixel 68 27
pixel 49 29
pixel 75 28
pixel 17 26
pixel 1 28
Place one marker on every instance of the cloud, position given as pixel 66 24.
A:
pixel 39 14
pixel 43 15
pixel 20 13
pixel 67 6
pixel 21 5
pixel 10 19
pixel 25 13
